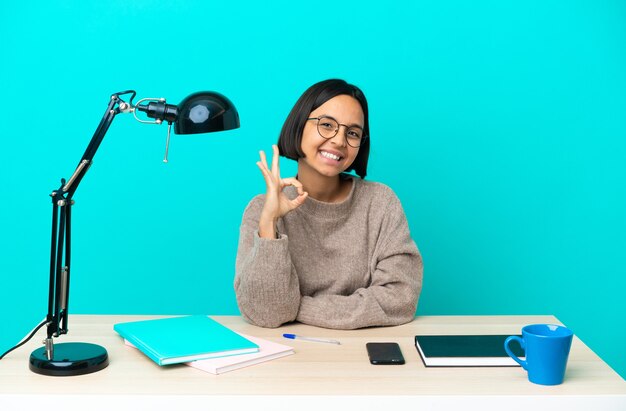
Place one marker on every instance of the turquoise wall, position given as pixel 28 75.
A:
pixel 501 127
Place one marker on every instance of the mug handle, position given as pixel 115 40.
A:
pixel 524 364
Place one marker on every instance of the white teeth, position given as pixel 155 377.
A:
pixel 331 156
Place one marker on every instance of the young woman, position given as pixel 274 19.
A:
pixel 326 248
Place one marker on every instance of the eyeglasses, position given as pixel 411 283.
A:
pixel 328 128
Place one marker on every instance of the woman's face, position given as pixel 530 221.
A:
pixel 330 157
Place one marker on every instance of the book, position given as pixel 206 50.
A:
pixel 466 351
pixel 268 350
pixel 181 339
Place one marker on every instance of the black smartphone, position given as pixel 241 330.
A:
pixel 384 353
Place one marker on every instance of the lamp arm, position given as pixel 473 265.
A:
pixel 116 106
pixel 60 250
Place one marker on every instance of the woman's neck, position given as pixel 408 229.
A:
pixel 329 189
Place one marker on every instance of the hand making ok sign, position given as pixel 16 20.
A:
pixel 277 204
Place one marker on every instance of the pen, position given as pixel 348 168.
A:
pixel 321 340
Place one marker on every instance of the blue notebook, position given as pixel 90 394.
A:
pixel 183 339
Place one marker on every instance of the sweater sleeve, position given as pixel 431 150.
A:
pixel 392 295
pixel 266 283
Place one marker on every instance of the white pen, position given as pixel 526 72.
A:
pixel 320 340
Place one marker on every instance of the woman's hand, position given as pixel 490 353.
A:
pixel 277 204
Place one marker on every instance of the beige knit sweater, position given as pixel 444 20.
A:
pixel 336 265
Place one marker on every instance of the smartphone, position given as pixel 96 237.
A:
pixel 384 353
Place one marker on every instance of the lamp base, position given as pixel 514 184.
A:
pixel 69 359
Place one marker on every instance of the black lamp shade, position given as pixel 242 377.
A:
pixel 205 112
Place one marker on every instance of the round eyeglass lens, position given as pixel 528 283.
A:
pixel 354 135
pixel 327 127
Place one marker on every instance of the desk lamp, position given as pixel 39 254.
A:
pixel 202 112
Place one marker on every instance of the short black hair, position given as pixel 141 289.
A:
pixel 290 139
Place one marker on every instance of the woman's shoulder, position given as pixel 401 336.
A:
pixel 255 205
pixel 375 190
pixel 381 202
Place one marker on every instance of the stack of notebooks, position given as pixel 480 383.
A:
pixel 199 342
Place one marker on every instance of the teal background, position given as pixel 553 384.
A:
pixel 501 127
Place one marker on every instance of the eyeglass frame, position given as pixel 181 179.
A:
pixel 363 137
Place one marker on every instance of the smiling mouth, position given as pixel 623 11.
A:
pixel 330 155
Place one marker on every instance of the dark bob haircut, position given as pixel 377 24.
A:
pixel 290 139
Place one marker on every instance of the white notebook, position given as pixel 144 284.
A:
pixel 268 350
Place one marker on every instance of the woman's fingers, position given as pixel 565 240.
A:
pixel 275 184
pixel 263 159
pixel 262 168
pixel 275 165
pixel 290 181
pixel 266 174
pixel 275 170
pixel 298 201
pixel 302 195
